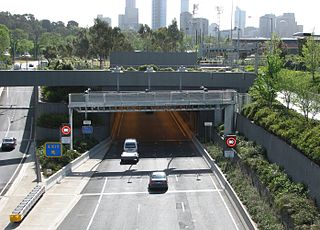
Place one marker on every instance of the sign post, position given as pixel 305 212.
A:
pixel 65 132
pixel 231 141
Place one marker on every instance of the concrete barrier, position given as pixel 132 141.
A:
pixel 231 194
pixel 27 204
pixel 58 176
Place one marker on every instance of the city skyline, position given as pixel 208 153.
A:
pixel 84 14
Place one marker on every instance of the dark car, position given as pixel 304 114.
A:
pixel 8 143
pixel 158 180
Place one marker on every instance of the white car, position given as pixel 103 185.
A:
pixel 130 150
pixel 130 145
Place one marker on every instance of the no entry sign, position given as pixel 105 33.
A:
pixel 231 141
pixel 65 130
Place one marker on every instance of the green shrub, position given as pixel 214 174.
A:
pixel 289 125
pixel 144 67
pixel 289 198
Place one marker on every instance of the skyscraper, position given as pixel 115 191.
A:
pixel 184 6
pixel 131 4
pixel 267 25
pixel 240 19
pixel 286 25
pixel 129 20
pixel 159 14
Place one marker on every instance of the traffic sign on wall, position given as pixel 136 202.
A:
pixel 231 141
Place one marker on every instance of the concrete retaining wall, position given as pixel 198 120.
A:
pixel 157 58
pixel 295 164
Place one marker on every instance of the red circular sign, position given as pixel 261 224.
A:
pixel 65 130
pixel 231 141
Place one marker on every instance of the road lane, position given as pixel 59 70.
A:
pixel 13 123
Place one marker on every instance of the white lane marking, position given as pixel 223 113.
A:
pixel 23 157
pixel 8 129
pixel 98 204
pixel 135 193
pixel 220 182
pixel 7 92
pixel 176 178
pixel 139 208
pixel 183 208
pixel 225 204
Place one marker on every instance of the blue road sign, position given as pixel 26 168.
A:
pixel 87 129
pixel 53 149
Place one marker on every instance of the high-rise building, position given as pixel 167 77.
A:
pixel 104 19
pixel 129 20
pixel 286 25
pixel 240 19
pixel 184 6
pixel 213 29
pixel 267 25
pixel 200 26
pixel 131 4
pixel 185 22
pixel 159 14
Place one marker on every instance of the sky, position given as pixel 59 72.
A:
pixel 84 12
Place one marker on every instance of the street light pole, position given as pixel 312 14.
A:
pixel 181 69
pixel 118 70
pixel 148 71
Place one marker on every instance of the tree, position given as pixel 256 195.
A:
pixel 175 36
pixel 266 85
pixel 101 40
pixel 311 55
pixel 304 95
pixel 82 44
pixel 4 39
pixel 24 46
pixel 50 44
pixel 288 83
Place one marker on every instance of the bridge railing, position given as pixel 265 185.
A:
pixel 159 98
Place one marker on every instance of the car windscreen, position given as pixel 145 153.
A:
pixel 130 145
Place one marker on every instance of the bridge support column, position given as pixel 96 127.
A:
pixel 218 115
pixel 71 126
pixel 228 119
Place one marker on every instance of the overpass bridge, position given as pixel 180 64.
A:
pixel 162 95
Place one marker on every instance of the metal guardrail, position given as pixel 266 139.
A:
pixel 27 203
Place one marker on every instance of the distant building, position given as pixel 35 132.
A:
pixel 185 22
pixel 129 20
pixel 159 14
pixel 240 19
pixel 267 25
pixel 250 32
pixel 104 19
pixel 200 27
pixel 184 6
pixel 213 29
pixel 286 25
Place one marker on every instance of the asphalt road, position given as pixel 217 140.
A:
pixel 13 122
pixel 116 196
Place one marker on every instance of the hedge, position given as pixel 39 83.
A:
pixel 289 125
pixel 288 199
